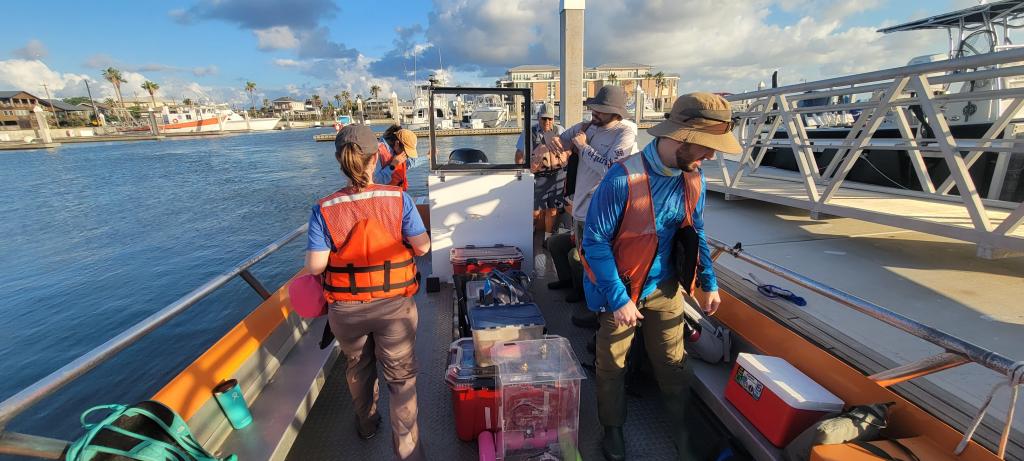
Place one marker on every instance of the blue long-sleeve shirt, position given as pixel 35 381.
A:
pixel 608 293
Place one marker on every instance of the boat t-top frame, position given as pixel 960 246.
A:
pixel 995 20
pixel 515 93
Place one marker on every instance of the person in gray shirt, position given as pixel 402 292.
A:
pixel 607 138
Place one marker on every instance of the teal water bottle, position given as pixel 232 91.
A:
pixel 232 402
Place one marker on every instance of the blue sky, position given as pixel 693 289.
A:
pixel 211 47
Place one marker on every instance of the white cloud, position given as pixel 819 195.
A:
pixel 34 49
pixel 30 75
pixel 723 45
pixel 203 71
pixel 276 38
pixel 287 63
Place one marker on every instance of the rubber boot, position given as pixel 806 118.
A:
pixel 675 405
pixel 613 445
pixel 584 317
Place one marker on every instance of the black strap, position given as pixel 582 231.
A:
pixel 905 449
pixel 356 290
pixel 874 450
pixel 353 269
pixel 351 279
pixel 387 275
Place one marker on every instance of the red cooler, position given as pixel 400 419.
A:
pixel 475 397
pixel 776 398
pixel 474 259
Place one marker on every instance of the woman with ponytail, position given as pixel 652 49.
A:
pixel 364 239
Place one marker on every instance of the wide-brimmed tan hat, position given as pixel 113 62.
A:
pixel 408 140
pixel 700 118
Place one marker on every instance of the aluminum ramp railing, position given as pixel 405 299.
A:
pixel 915 101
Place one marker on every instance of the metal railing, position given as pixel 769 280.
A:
pixel 917 101
pixel 956 352
pixel 26 445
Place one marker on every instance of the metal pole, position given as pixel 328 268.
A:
pixel 989 359
pixel 31 395
pixel 96 110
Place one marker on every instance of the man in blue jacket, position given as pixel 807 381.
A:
pixel 630 273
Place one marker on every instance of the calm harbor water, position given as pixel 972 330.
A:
pixel 97 236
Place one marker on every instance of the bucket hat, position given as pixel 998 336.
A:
pixel 700 118
pixel 610 99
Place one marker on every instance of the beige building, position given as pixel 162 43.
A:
pixel 543 81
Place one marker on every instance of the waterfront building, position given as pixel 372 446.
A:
pixel 543 80
pixel 16 111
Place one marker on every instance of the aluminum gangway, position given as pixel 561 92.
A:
pixel 919 103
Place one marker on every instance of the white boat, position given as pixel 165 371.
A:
pixel 234 121
pixel 189 119
pixel 196 119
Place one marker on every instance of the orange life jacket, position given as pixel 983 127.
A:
pixel 369 259
pixel 400 177
pixel 636 240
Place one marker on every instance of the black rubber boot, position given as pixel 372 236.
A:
pixel 613 445
pixel 367 433
pixel 584 318
pixel 561 284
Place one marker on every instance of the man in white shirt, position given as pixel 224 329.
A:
pixel 607 138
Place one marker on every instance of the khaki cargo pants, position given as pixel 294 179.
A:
pixel 663 339
pixel 381 331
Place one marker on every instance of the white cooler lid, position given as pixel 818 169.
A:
pixel 790 384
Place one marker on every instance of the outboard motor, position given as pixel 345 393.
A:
pixel 467 155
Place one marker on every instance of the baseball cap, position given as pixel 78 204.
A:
pixel 360 135
pixel 408 140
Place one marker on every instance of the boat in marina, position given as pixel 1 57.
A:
pixel 829 115
pixel 301 409
pixel 202 118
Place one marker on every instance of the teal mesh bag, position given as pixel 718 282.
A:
pixel 146 431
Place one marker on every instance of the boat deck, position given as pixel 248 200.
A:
pixel 933 279
pixel 912 211
pixel 329 432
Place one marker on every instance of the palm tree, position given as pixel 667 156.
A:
pixel 186 102
pixel 113 76
pixel 613 78
pixel 337 99
pixel 317 104
pixel 250 87
pixel 659 82
pixel 348 101
pixel 151 88
pixel 375 90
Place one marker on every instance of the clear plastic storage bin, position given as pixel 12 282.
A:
pixel 539 388
pixel 502 323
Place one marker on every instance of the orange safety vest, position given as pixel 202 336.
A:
pixel 636 240
pixel 400 177
pixel 369 259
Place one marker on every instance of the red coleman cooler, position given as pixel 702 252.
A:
pixel 481 259
pixel 776 398
pixel 474 393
